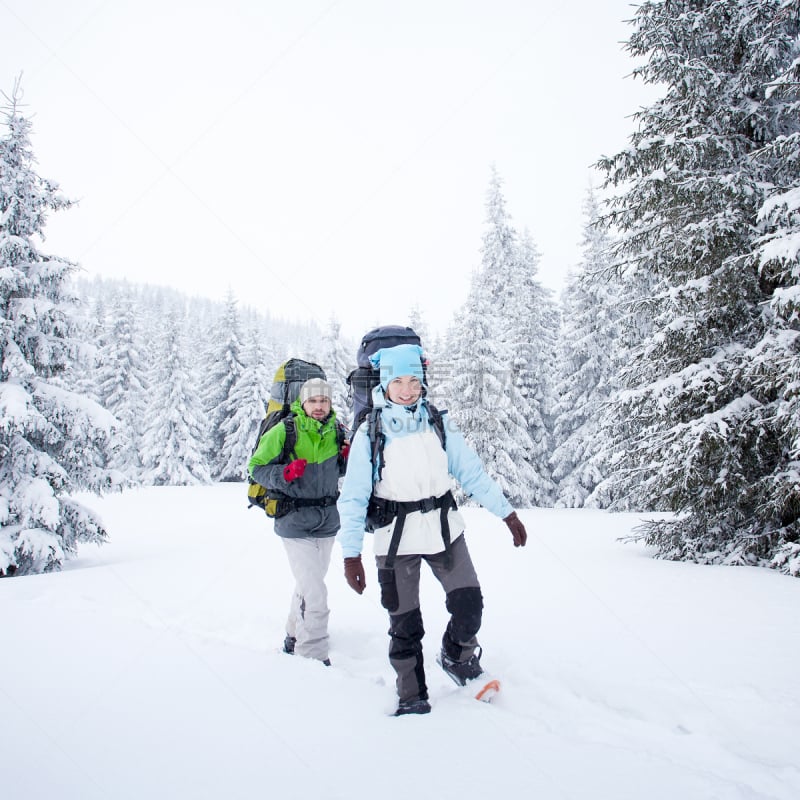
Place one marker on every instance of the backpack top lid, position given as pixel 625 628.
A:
pixel 364 378
pixel 384 337
pixel 289 377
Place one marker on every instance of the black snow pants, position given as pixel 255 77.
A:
pixel 400 597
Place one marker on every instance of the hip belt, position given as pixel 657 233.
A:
pixel 381 512
pixel 278 507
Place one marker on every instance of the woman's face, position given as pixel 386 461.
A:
pixel 404 391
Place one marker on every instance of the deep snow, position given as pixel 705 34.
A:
pixel 150 668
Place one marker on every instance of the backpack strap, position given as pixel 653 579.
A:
pixel 341 436
pixel 290 442
pixel 437 420
pixel 377 440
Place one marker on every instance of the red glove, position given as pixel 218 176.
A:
pixel 294 469
pixel 345 451
pixel 354 572
pixel 517 529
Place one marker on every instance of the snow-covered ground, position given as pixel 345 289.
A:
pixel 150 668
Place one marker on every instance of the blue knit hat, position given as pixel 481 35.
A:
pixel 402 359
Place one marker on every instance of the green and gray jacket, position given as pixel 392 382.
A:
pixel 317 444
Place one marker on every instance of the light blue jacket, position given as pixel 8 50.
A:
pixel 399 422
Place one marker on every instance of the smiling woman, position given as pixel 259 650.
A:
pixel 398 487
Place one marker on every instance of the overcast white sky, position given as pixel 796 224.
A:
pixel 318 157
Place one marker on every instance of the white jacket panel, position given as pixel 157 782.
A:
pixel 416 468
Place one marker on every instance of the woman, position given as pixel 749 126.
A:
pixel 405 500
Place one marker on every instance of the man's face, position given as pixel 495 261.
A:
pixel 317 407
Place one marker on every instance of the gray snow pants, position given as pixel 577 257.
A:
pixel 400 597
pixel 309 559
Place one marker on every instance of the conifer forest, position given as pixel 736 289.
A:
pixel 666 377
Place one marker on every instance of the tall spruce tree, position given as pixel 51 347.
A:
pixel 416 321
pixel 81 373
pixel 52 440
pixel 336 362
pixel 174 440
pixel 437 369
pixel 484 397
pixel 122 383
pixel 220 375
pixel 532 330
pixel 772 366
pixel 586 365
pixel 693 434
pixel 247 406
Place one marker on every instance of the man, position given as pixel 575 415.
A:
pixel 306 519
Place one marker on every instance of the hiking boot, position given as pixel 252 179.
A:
pixel 326 662
pixel 288 644
pixel 416 705
pixel 461 671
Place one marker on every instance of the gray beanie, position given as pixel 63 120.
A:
pixel 315 387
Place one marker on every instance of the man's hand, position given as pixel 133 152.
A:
pixel 294 469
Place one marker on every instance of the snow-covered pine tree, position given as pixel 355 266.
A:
pixel 482 392
pixel 772 366
pixel 221 373
pixel 586 365
pixel 122 382
pixel 533 323
pixel 416 321
pixel 247 405
pixel 695 178
pixel 174 441
pixel 438 368
pixel 81 373
pixel 52 441
pixel 336 362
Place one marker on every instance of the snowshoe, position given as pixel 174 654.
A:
pixel 461 671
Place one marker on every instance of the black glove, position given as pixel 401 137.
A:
pixel 354 572
pixel 517 529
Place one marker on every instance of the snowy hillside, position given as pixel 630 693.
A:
pixel 149 668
